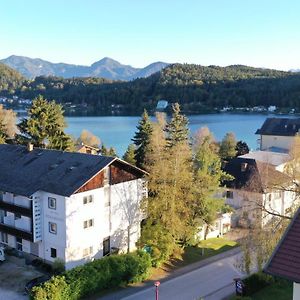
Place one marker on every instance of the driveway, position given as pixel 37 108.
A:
pixel 14 274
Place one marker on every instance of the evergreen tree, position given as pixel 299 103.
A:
pixel 107 151
pixel 45 125
pixel 141 139
pixel 228 147
pixel 129 155
pixel 177 129
pixel 241 148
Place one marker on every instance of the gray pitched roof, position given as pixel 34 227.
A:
pixel 280 126
pixel 24 172
pixel 285 260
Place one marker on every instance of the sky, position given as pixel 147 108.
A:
pixel 260 33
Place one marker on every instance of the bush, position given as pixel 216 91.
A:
pixel 58 266
pixel 257 282
pixel 95 276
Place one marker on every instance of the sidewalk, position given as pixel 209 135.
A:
pixel 176 273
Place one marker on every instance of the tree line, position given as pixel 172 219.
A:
pixel 197 88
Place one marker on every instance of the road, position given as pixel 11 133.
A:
pixel 213 281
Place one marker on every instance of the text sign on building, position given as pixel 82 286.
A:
pixel 36 220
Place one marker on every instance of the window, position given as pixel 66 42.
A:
pixel 17 216
pixel 19 245
pixel 88 199
pixel 88 223
pixel 51 203
pixel 53 252
pixel 229 194
pixel 4 238
pixel 52 227
pixel 106 246
pixel 244 167
pixel 87 251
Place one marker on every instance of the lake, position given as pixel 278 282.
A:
pixel 118 131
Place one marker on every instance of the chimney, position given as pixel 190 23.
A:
pixel 29 147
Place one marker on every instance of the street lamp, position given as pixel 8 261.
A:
pixel 156 284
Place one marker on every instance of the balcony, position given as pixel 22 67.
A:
pixel 24 211
pixel 26 235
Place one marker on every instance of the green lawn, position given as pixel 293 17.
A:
pixel 204 250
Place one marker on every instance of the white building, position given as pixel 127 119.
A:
pixel 71 206
pixel 260 188
pixel 277 134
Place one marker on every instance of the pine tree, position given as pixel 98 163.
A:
pixel 129 155
pixel 241 148
pixel 177 129
pixel 141 139
pixel 45 125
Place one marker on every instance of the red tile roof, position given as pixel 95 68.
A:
pixel 285 260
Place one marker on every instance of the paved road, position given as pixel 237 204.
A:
pixel 213 281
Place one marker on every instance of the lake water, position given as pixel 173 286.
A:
pixel 118 131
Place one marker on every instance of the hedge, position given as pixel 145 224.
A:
pixel 256 282
pixel 95 276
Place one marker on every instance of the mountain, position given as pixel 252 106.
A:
pixel 106 68
pixel 294 70
pixel 9 78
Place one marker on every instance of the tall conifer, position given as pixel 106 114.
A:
pixel 141 139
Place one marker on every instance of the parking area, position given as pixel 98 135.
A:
pixel 14 274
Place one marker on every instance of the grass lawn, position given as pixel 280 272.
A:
pixel 205 249
pixel 283 291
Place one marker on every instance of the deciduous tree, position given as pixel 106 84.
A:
pixel 129 155
pixel 228 146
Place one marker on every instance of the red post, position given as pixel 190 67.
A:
pixel 157 283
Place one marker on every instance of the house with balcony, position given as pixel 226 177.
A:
pixel 71 206
pixel 277 134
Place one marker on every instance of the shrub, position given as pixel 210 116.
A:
pixel 257 282
pixel 95 276
pixel 58 266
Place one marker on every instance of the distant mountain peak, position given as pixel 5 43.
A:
pixel 106 68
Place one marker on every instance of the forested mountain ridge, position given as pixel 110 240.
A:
pixel 10 79
pixel 197 88
pixel 106 67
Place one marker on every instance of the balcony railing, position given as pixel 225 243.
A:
pixel 26 235
pixel 24 211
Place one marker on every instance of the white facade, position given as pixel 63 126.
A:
pixel 269 141
pixel 249 206
pixel 73 229
pixel 296 292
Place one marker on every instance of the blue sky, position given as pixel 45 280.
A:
pixel 137 32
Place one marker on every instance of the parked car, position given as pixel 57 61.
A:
pixel 35 282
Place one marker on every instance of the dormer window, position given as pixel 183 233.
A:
pixel 244 167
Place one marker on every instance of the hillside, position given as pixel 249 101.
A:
pixel 104 68
pixel 9 79
pixel 199 89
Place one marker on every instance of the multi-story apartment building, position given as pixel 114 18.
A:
pixel 71 206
